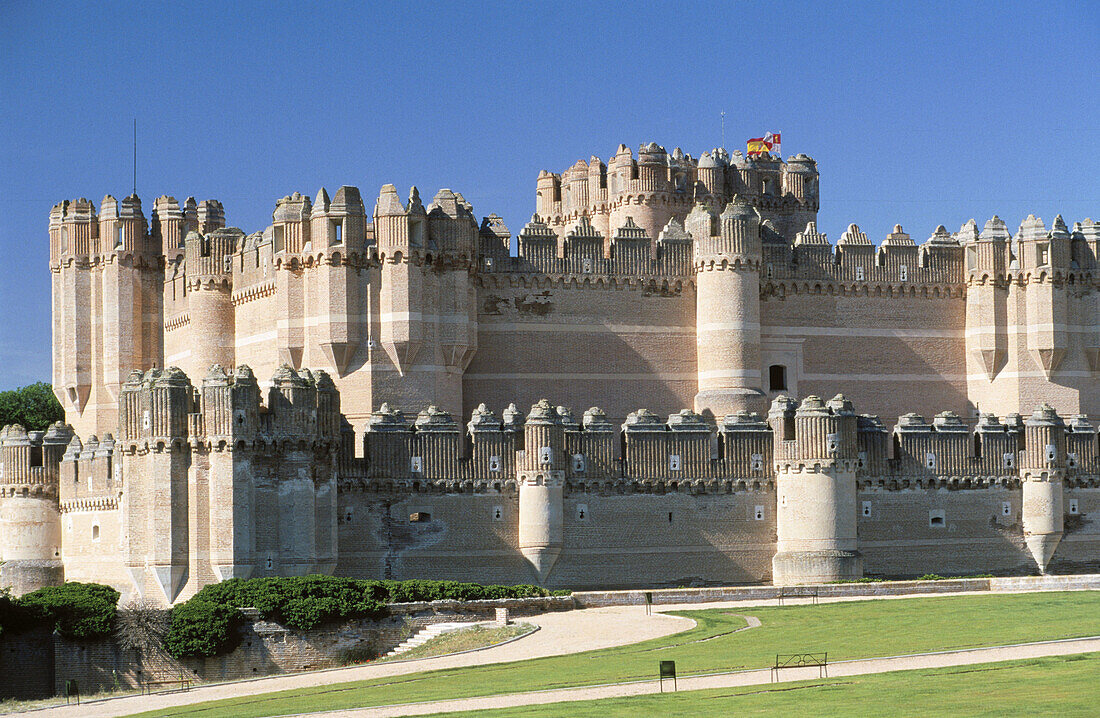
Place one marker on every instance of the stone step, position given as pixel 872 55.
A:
pixel 426 634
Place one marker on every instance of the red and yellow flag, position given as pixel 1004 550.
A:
pixel 760 145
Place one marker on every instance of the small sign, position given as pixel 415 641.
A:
pixel 668 670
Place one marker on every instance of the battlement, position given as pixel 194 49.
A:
pixel 659 185
pixel 741 450
pixel 161 409
pixel 28 460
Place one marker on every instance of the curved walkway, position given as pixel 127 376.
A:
pixel 730 680
pixel 559 633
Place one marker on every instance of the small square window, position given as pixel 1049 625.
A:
pixel 866 508
pixel 937 519
pixel 1073 507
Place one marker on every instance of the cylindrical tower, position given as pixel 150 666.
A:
pixel 727 267
pixel 30 525
pixel 816 492
pixel 541 473
pixel 1042 468
pixel 209 301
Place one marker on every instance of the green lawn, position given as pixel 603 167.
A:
pixel 855 629
pixel 1064 686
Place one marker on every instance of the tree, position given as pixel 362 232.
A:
pixel 34 406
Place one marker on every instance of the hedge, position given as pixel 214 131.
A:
pixel 82 611
pixel 206 625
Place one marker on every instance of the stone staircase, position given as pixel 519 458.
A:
pixel 426 634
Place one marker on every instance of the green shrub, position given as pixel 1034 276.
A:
pixel 202 628
pixel 82 611
pixel 207 624
pixel 33 406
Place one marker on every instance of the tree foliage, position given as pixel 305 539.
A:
pixel 33 406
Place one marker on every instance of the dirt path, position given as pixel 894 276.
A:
pixel 730 680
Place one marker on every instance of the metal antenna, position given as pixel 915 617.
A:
pixel 723 129
pixel 135 157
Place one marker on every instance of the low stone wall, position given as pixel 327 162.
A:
pixel 595 599
pixel 1087 582
pixel 266 648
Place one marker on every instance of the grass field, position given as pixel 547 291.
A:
pixel 1065 686
pixel 856 629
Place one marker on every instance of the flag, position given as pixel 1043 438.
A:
pixel 768 143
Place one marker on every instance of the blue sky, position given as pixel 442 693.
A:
pixel 918 114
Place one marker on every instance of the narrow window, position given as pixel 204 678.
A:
pixel 546 455
pixel 867 508
pixel 859 274
pixel 270 563
pixel 1073 508
pixel 582 512
pixel 498 513
pixel 904 273
pixel 758 513
pixel 1006 508
pixel 280 238
pixel 118 236
pixel 1009 461
pixel 670 517
pixel 777 377
pixel 930 460
pixel 757 462
pixel 1043 254
pixel 674 462
pixel 494 463
pixel 578 463
pixel 416 464
pixel 95 532
pixel 338 231
pixel 1071 460
pixel 1052 452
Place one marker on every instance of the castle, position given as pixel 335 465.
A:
pixel 235 403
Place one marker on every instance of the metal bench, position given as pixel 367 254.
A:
pixel 809 592
pixel 801 660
